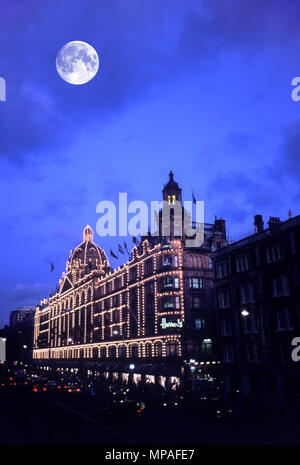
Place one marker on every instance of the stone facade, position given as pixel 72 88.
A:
pixel 257 286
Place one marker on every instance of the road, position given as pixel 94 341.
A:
pixel 58 418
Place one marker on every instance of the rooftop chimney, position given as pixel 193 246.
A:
pixel 258 224
pixel 273 222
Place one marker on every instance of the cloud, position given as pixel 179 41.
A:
pixel 242 196
pixel 291 148
pixel 27 293
pixel 139 44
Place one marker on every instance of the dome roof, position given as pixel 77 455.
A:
pixel 171 184
pixel 171 188
pixel 87 253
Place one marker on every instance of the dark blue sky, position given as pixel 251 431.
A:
pixel 199 87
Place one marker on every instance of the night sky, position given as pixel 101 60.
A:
pixel 199 87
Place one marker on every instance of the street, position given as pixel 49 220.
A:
pixel 61 418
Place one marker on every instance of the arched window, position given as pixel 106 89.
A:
pixel 112 351
pixel 148 350
pixel 95 352
pixel 103 352
pixel 172 349
pixel 122 351
pixel 158 349
pixel 134 350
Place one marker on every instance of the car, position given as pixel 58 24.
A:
pixel 50 386
pixel 74 389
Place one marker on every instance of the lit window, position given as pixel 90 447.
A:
pixel 173 199
pixel 169 199
pixel 167 260
pixel 196 283
pixel 199 323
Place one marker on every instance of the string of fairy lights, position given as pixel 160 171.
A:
pixel 85 292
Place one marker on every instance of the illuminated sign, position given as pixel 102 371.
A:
pixel 171 324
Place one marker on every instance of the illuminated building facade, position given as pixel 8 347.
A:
pixel 154 307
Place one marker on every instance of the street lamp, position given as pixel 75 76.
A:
pixel 132 366
pixel 245 312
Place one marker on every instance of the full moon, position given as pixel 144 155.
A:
pixel 77 62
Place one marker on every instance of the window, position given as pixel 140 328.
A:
pixel 247 293
pixel 274 253
pixel 196 283
pixel 122 351
pixel 158 349
pixel 176 283
pixel 165 243
pixel 242 263
pixel 196 302
pixel 223 298
pixel 168 303
pixel 172 349
pixel 177 302
pixel 115 300
pixel 168 282
pixel 228 353
pixel 251 323
pixel 167 260
pixel 148 266
pixel 225 326
pixel 148 350
pixel 173 199
pixel 221 270
pixel 149 287
pixel 252 352
pixel 283 318
pixel 199 323
pixel 280 286
pixel 133 273
pixel 124 314
pixel 176 261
